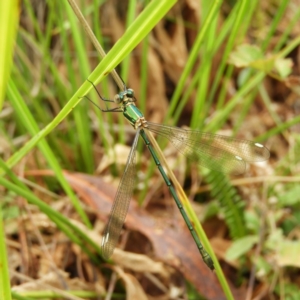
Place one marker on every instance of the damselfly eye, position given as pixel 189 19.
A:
pixel 130 93
pixel 117 99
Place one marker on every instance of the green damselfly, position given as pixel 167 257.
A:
pixel 216 152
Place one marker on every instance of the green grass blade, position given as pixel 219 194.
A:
pixel 135 33
pixel 193 56
pixel 239 19
pixel 279 129
pixel 222 115
pixel 274 25
pixel 9 16
pixel 80 115
pixel 4 274
pixel 29 123
pixel 17 296
pixel 129 19
pixel 73 232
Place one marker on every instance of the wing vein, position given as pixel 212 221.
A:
pixel 213 151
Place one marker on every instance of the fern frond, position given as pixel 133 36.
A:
pixel 230 201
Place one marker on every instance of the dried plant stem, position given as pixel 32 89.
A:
pixel 94 40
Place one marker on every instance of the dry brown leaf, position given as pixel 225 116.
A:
pixel 194 5
pixel 169 242
pixel 138 262
pixel 38 220
pixel 220 247
pixel 58 282
pixel 131 261
pixel 293 82
pixel 54 279
pixel 14 258
pixel 134 290
pixel 172 50
pixel 59 255
pixel 118 156
pixel 172 244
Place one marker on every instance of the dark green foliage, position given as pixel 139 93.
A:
pixel 231 203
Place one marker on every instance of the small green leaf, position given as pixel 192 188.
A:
pixel 241 246
pixel 288 254
pixel 274 239
pixel 252 221
pixel 266 65
pixel 244 55
pixel 283 66
pixel 263 266
pixel 290 292
pixel 11 212
pixel 251 56
pixel 291 197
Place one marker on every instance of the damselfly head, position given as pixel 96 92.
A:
pixel 124 96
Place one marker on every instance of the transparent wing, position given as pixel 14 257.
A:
pixel 216 152
pixel 121 204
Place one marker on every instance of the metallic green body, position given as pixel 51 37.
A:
pixel 132 113
pixel 205 256
pixel 117 218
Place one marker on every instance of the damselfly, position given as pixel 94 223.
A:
pixel 216 152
